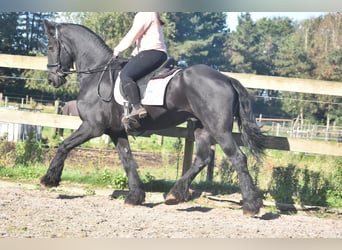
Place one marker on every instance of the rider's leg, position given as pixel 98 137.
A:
pixel 137 67
pixel 133 96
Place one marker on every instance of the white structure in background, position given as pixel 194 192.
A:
pixel 15 131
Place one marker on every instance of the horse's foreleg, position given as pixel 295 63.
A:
pixel 53 176
pixel 136 195
pixel 180 191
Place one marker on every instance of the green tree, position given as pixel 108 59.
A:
pixel 8 32
pixel 30 31
pixel 334 64
pixel 8 45
pixel 312 51
pixel 21 33
pixel 253 48
pixel 110 26
pixel 199 38
pixel 271 33
pixel 293 60
pixel 242 45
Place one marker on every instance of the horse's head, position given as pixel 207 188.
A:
pixel 60 59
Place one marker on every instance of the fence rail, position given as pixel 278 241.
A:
pixel 248 80
pixel 73 122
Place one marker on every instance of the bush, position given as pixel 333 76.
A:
pixel 334 193
pixel 303 186
pixel 29 151
pixel 115 179
pixel 227 173
pixel 6 151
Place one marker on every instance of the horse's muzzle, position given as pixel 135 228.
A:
pixel 56 80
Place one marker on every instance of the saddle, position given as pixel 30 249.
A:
pixel 165 70
pixel 152 89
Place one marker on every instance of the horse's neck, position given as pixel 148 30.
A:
pixel 90 59
pixel 86 57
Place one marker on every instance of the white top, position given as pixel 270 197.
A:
pixel 146 32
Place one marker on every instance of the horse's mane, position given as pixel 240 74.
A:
pixel 96 38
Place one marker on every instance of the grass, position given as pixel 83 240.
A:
pixel 20 172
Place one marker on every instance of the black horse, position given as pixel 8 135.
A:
pixel 197 92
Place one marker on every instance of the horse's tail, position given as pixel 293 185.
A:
pixel 251 135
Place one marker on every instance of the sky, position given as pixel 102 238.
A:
pixel 232 17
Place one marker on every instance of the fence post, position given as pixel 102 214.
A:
pixel 327 129
pixel 189 146
pixel 272 128
pixel 278 129
pixel 260 118
pixel 55 130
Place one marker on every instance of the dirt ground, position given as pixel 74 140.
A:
pixel 73 211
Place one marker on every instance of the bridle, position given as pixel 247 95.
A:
pixel 60 72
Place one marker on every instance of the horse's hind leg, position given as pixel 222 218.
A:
pixel 180 191
pixel 136 195
pixel 250 196
pixel 54 172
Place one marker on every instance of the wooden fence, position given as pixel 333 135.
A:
pixel 249 81
pixel 73 122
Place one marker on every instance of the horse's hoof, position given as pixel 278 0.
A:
pixel 48 182
pixel 133 200
pixel 130 204
pixel 250 213
pixel 252 209
pixel 171 200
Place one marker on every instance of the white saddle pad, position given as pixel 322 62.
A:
pixel 154 94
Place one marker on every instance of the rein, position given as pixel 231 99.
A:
pixel 111 95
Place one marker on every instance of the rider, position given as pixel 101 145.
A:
pixel 149 53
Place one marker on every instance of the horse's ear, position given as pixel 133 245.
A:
pixel 50 27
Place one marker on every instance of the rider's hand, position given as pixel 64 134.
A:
pixel 134 52
pixel 116 53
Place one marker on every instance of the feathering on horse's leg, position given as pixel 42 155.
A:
pixel 136 195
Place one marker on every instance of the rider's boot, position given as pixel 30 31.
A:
pixel 133 96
